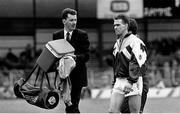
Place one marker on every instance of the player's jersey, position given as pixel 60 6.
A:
pixel 130 59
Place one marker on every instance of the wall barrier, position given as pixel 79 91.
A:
pixel 153 93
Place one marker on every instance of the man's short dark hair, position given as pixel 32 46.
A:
pixel 125 18
pixel 133 27
pixel 67 11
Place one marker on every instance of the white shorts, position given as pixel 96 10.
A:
pixel 121 82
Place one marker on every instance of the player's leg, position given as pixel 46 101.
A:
pixel 134 103
pixel 134 96
pixel 117 96
pixel 125 106
pixel 116 101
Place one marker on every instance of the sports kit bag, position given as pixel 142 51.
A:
pixel 43 97
pixel 48 97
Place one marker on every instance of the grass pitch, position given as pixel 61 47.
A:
pixel 153 105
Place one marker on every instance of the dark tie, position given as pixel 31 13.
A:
pixel 68 36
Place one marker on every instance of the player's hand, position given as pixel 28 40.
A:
pixel 127 88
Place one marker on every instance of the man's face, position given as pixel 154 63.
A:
pixel 119 27
pixel 70 22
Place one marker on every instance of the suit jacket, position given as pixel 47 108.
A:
pixel 79 40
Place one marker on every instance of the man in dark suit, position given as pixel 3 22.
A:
pixel 79 40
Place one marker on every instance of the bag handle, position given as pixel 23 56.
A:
pixel 42 80
pixel 43 73
pixel 48 81
pixel 27 78
pixel 37 75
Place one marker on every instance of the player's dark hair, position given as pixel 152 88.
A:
pixel 67 11
pixel 133 26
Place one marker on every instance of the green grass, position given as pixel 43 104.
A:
pixel 154 105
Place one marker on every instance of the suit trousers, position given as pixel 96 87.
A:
pixel 75 98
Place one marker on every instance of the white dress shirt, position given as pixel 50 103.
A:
pixel 65 33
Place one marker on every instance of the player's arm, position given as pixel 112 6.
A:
pixel 137 65
pixel 133 70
